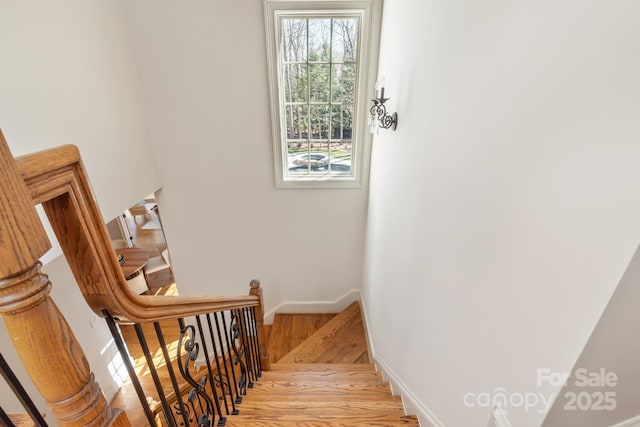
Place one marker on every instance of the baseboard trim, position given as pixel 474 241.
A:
pixel 334 306
pixel 412 405
pixel 631 422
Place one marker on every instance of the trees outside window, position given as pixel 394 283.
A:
pixel 318 74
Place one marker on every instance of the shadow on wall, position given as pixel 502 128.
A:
pixel 603 389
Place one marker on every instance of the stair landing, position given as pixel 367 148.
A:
pixel 339 340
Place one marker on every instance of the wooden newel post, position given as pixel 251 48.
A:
pixel 46 345
pixel 256 290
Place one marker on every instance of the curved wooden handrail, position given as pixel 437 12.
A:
pixel 43 340
pixel 57 179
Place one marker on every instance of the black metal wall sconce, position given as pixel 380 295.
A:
pixel 378 117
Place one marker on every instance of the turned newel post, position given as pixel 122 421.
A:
pixel 256 290
pixel 46 345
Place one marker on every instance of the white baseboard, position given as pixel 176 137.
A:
pixel 334 306
pixel 412 405
pixel 631 422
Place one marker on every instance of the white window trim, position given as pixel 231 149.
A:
pixel 369 45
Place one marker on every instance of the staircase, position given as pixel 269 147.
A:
pixel 324 380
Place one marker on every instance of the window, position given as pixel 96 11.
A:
pixel 321 64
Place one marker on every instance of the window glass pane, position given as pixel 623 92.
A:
pixel 294 39
pixel 344 42
pixel 296 155
pixel 319 121
pixel 319 156
pixel 319 82
pixel 347 122
pixel 295 82
pixel 343 82
pixel 297 121
pixel 319 39
pixel 340 156
pixel 341 122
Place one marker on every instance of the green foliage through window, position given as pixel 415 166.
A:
pixel 319 73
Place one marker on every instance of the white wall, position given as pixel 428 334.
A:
pixel 67 78
pixel 202 67
pixel 504 209
pixel 613 347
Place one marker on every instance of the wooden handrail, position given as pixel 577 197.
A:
pixel 57 179
pixel 33 321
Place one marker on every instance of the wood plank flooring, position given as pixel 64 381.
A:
pixel 291 330
pixel 342 340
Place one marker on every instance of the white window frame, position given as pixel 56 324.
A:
pixel 369 12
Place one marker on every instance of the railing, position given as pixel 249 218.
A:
pixel 224 342
pixel 32 413
pixel 56 178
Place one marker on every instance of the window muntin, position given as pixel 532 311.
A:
pixel 319 72
pixel 332 118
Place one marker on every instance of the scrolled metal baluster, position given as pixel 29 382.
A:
pixel 191 349
pixel 235 333
pixel 244 334
pixel 179 410
pixel 238 398
pixel 212 377
pixel 224 385
pixel 166 408
pixel 256 341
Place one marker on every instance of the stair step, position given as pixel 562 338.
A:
pixel 290 330
pixel 315 389
pixel 321 421
pixel 336 398
pixel 342 339
pixel 322 367
pixel 21 420
pixel 322 377
pixel 312 407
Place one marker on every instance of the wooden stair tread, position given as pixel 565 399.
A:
pixel 319 406
pixel 337 397
pixel 322 367
pixel 342 339
pixel 311 389
pixel 21 420
pixel 321 421
pixel 290 330
pixel 322 377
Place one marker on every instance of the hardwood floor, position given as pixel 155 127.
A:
pixel 290 330
pixel 321 375
pixel 340 340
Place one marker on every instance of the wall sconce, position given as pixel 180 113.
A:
pixel 378 117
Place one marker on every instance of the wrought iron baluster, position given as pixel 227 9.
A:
pixel 256 341
pixel 238 398
pixel 192 348
pixel 124 354
pixel 252 339
pixel 246 349
pixel 168 413
pixel 235 332
pixel 209 370
pixel 223 384
pixel 219 378
pixel 180 410
pixel 20 392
